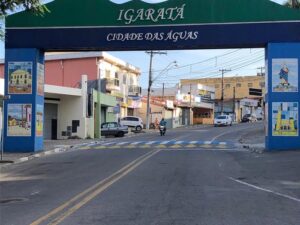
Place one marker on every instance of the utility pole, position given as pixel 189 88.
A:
pixel 261 70
pixel 233 105
pixel 190 104
pixel 163 92
pixel 222 94
pixel 150 81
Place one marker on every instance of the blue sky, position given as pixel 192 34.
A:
pixel 241 61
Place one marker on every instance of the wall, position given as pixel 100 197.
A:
pixel 67 72
pixel 2 71
pixel 71 108
pixel 106 101
pixel 240 92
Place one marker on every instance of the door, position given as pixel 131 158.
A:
pixel 54 129
pixel 50 127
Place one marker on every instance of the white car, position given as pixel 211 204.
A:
pixel 132 121
pixel 223 120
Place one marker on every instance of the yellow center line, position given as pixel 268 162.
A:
pixel 93 191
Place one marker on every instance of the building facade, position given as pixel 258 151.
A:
pixel 236 98
pixel 83 90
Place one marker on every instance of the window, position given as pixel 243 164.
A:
pixel 112 125
pixel 104 125
pixel 116 75
pixel 124 79
pixel 107 73
pixel 250 85
pixel 131 81
pixel 227 86
pixel 262 84
pixel 238 85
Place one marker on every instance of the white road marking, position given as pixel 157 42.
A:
pixel 178 142
pixel 150 142
pixel 207 142
pixel 266 190
pixel 136 143
pixel 164 142
pixel 193 142
pixel 109 143
pixel 123 143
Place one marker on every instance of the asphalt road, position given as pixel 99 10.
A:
pixel 117 183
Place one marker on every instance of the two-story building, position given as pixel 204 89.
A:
pixel 236 98
pixel 82 90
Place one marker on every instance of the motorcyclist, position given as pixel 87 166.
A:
pixel 163 123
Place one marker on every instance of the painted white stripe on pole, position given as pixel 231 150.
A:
pixel 266 190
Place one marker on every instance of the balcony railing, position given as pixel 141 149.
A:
pixel 112 84
pixel 134 90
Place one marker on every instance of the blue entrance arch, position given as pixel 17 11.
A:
pixel 75 25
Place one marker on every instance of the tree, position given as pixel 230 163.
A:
pixel 10 6
pixel 7 6
pixel 292 4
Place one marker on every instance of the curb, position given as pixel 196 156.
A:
pixel 255 148
pixel 64 148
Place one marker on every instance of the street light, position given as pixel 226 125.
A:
pixel 168 67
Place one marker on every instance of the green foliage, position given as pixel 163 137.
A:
pixel 289 3
pixel 8 6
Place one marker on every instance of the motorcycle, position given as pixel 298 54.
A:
pixel 162 130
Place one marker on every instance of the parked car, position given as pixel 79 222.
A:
pixel 223 120
pixel 132 121
pixel 113 129
pixel 249 118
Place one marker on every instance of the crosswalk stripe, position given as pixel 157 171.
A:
pixel 150 142
pixel 191 146
pixel 160 146
pixel 164 142
pixel 222 143
pixel 207 142
pixel 109 143
pixel 123 143
pixel 100 147
pixel 136 143
pixel 175 146
pixel 178 142
pixel 193 142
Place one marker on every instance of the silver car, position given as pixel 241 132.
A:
pixel 113 129
pixel 223 120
